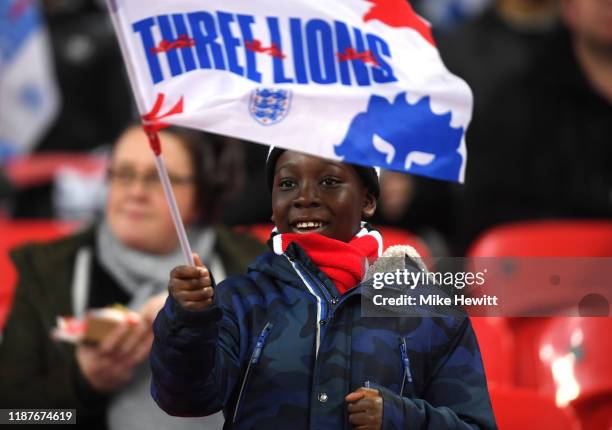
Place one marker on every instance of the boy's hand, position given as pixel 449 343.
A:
pixel 365 408
pixel 191 287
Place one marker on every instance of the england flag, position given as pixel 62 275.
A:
pixel 29 98
pixel 353 80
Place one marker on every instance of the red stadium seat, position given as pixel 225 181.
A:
pixel 396 236
pixel 546 239
pixel 37 169
pixel 541 239
pixel 522 409
pixel 392 236
pixel 13 234
pixel 575 367
pixel 261 232
pixel 497 348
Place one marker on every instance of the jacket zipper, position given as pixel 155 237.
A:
pixel 255 356
pixel 406 364
pixel 321 306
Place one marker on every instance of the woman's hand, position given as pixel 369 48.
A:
pixel 365 408
pixel 110 364
pixel 191 287
pixel 151 308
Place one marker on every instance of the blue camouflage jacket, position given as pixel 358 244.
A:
pixel 280 349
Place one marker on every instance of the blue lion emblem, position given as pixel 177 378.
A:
pixel 404 137
pixel 269 106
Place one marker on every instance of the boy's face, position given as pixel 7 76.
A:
pixel 314 195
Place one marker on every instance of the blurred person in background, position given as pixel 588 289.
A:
pixel 486 51
pixel 6 194
pixel 541 147
pixel 418 204
pixel 252 204
pixel 95 101
pixel 491 49
pixel 96 98
pixel 125 259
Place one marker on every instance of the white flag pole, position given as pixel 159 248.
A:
pixel 151 131
pixel 169 193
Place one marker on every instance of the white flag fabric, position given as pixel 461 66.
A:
pixel 354 80
pixel 29 100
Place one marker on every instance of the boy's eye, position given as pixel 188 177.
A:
pixel 286 183
pixel 330 182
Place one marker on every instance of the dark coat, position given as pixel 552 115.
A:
pixel 35 371
pixel 541 148
pixel 280 349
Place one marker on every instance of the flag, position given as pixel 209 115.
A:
pixel 353 80
pixel 29 100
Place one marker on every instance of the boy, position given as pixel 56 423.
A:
pixel 285 346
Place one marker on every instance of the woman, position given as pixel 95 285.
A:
pixel 123 259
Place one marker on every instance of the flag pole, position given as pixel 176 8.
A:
pixel 151 126
pixel 169 193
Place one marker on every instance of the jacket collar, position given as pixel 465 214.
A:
pixel 280 267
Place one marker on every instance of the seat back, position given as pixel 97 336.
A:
pixel 546 239
pixel 397 236
pixel 541 239
pixel 496 344
pixel 522 409
pixel 13 234
pixel 576 359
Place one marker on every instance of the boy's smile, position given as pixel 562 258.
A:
pixel 314 195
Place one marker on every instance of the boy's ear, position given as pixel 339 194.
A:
pixel 369 205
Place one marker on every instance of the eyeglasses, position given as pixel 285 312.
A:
pixel 150 180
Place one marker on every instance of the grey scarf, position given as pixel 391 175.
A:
pixel 144 275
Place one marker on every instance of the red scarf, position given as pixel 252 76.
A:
pixel 344 263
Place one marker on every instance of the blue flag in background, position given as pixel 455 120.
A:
pixel 28 94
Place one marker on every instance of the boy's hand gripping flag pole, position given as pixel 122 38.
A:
pixel 151 123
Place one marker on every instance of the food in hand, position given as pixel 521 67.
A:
pixel 96 325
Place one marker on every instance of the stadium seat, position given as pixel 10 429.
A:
pixel 497 348
pixel 13 234
pixel 546 239
pixel 392 236
pixel 575 367
pixel 540 239
pixel 37 169
pixel 261 232
pixel 396 236
pixel 522 409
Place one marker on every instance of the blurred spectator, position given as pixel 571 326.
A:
pixel 6 194
pixel 541 148
pixel 124 259
pixel 253 202
pixel 418 204
pixel 486 51
pixel 96 100
pixel 491 49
